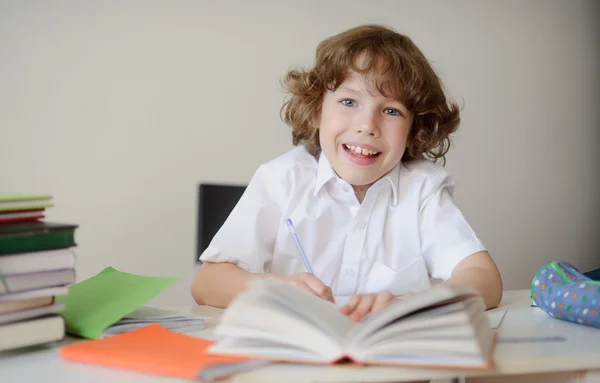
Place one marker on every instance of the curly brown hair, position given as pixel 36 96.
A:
pixel 396 67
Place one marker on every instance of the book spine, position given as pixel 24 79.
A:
pixel 36 242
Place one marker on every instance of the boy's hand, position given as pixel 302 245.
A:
pixel 312 284
pixel 359 306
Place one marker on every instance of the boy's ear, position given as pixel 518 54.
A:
pixel 316 119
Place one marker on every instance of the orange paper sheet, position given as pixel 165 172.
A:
pixel 152 349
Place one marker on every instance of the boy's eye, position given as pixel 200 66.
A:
pixel 348 102
pixel 392 112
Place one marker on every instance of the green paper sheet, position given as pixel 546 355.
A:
pixel 97 303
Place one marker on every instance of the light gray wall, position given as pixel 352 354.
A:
pixel 119 109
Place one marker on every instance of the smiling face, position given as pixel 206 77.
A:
pixel 362 133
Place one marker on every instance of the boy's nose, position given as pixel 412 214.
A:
pixel 368 124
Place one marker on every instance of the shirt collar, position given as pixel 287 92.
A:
pixel 393 177
pixel 325 173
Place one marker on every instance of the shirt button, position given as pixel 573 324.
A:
pixel 360 225
pixel 349 272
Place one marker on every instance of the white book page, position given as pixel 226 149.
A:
pixel 466 346
pixel 470 340
pixel 278 314
pixel 411 328
pixel 406 306
pixel 271 350
pixel 322 314
pixel 271 324
pixel 433 317
pixel 496 315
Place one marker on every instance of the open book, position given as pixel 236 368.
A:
pixel 444 326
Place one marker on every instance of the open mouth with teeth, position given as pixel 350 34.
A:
pixel 361 152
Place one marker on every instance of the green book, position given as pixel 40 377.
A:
pixel 35 236
pixel 20 201
pixel 97 303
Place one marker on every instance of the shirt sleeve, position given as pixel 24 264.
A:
pixel 247 238
pixel 446 237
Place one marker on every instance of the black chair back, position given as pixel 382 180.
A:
pixel 215 202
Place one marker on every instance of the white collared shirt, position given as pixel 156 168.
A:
pixel 407 229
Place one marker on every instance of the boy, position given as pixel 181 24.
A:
pixel 374 214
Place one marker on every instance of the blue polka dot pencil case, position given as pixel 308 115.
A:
pixel 564 293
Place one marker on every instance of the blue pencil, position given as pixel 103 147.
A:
pixel 306 264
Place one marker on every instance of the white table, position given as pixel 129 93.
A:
pixel 576 359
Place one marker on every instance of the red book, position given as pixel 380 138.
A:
pixel 21 215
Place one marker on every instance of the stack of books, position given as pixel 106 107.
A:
pixel 37 263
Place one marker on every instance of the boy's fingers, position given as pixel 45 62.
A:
pixel 382 299
pixel 348 308
pixel 363 308
pixel 319 288
pixel 327 295
pixel 311 284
